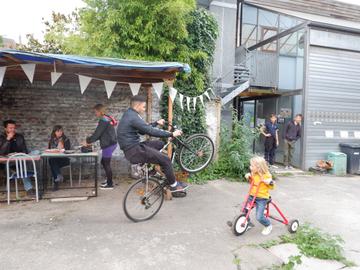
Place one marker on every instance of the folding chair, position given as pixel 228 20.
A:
pixel 20 172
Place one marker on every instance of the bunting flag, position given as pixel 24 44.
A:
pixel 158 87
pixel 172 93
pixel 29 70
pixel 109 87
pixel 194 102
pixel 135 87
pixel 188 103
pixel 181 98
pixel 54 77
pixel 2 74
pixel 202 100
pixel 207 95
pixel 84 82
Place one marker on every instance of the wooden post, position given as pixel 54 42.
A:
pixel 170 83
pixel 149 104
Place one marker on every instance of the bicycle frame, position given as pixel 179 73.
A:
pixel 251 205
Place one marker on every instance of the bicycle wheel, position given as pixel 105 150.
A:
pixel 143 200
pixel 196 153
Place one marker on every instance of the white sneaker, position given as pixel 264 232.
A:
pixel 267 230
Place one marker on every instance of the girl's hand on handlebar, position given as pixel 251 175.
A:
pixel 177 133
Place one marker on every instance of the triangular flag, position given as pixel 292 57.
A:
pixel 54 77
pixel 194 101
pixel 202 100
pixel 29 70
pixel 188 103
pixel 84 82
pixel 207 95
pixel 158 87
pixel 109 87
pixel 135 87
pixel 2 74
pixel 181 98
pixel 172 93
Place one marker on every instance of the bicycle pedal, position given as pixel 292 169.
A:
pixel 179 194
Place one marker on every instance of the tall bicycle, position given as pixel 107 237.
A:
pixel 145 197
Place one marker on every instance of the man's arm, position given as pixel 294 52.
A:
pixel 4 146
pixel 298 134
pixel 144 128
pixel 22 147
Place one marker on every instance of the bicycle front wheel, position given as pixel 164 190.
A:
pixel 196 153
pixel 143 200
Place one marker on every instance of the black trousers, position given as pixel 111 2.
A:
pixel 106 163
pixel 270 147
pixel 148 152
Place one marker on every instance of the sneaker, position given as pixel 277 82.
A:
pixel 56 186
pixel 180 186
pixel 274 166
pixel 59 178
pixel 287 168
pixel 107 187
pixel 267 230
pixel 103 183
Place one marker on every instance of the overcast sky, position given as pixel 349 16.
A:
pixel 20 17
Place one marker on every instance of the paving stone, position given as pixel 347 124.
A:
pixel 254 258
pixel 315 264
pixel 284 251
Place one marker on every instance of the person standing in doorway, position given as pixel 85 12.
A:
pixel 292 134
pixel 105 132
pixel 271 133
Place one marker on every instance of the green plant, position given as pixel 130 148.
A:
pixel 290 265
pixel 234 153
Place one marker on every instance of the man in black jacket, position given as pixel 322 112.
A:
pixel 129 129
pixel 12 142
pixel 292 134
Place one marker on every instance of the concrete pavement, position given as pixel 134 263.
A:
pixel 186 233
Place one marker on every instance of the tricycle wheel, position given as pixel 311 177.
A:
pixel 240 225
pixel 293 226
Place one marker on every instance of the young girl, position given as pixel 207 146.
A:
pixel 105 132
pixel 58 141
pixel 259 173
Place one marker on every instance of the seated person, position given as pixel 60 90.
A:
pixel 59 141
pixel 128 136
pixel 12 142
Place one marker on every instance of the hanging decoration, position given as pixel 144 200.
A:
pixel 54 77
pixel 158 87
pixel 194 103
pixel 172 93
pixel 29 70
pixel 84 82
pixel 2 74
pixel 135 88
pixel 109 87
pixel 181 98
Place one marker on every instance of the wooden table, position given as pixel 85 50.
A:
pixel 46 155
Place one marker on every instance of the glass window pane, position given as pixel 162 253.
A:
pixel 249 33
pixel 249 15
pixel 267 18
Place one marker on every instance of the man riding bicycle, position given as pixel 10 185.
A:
pixel 130 128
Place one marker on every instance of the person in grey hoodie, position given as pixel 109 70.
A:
pixel 105 132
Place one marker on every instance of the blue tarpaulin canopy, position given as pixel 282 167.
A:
pixel 102 68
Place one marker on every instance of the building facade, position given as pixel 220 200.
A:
pixel 289 57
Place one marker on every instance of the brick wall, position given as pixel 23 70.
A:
pixel 38 107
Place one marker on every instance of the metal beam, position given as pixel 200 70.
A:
pixel 278 36
pixel 235 92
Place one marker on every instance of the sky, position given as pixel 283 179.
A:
pixel 21 17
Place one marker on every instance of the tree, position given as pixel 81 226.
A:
pixel 156 30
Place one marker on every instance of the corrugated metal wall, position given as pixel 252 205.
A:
pixel 333 101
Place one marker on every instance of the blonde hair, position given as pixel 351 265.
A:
pixel 260 164
pixel 100 108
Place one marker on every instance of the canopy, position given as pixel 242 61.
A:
pixel 102 68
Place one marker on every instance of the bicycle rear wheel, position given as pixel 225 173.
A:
pixel 196 153
pixel 143 200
